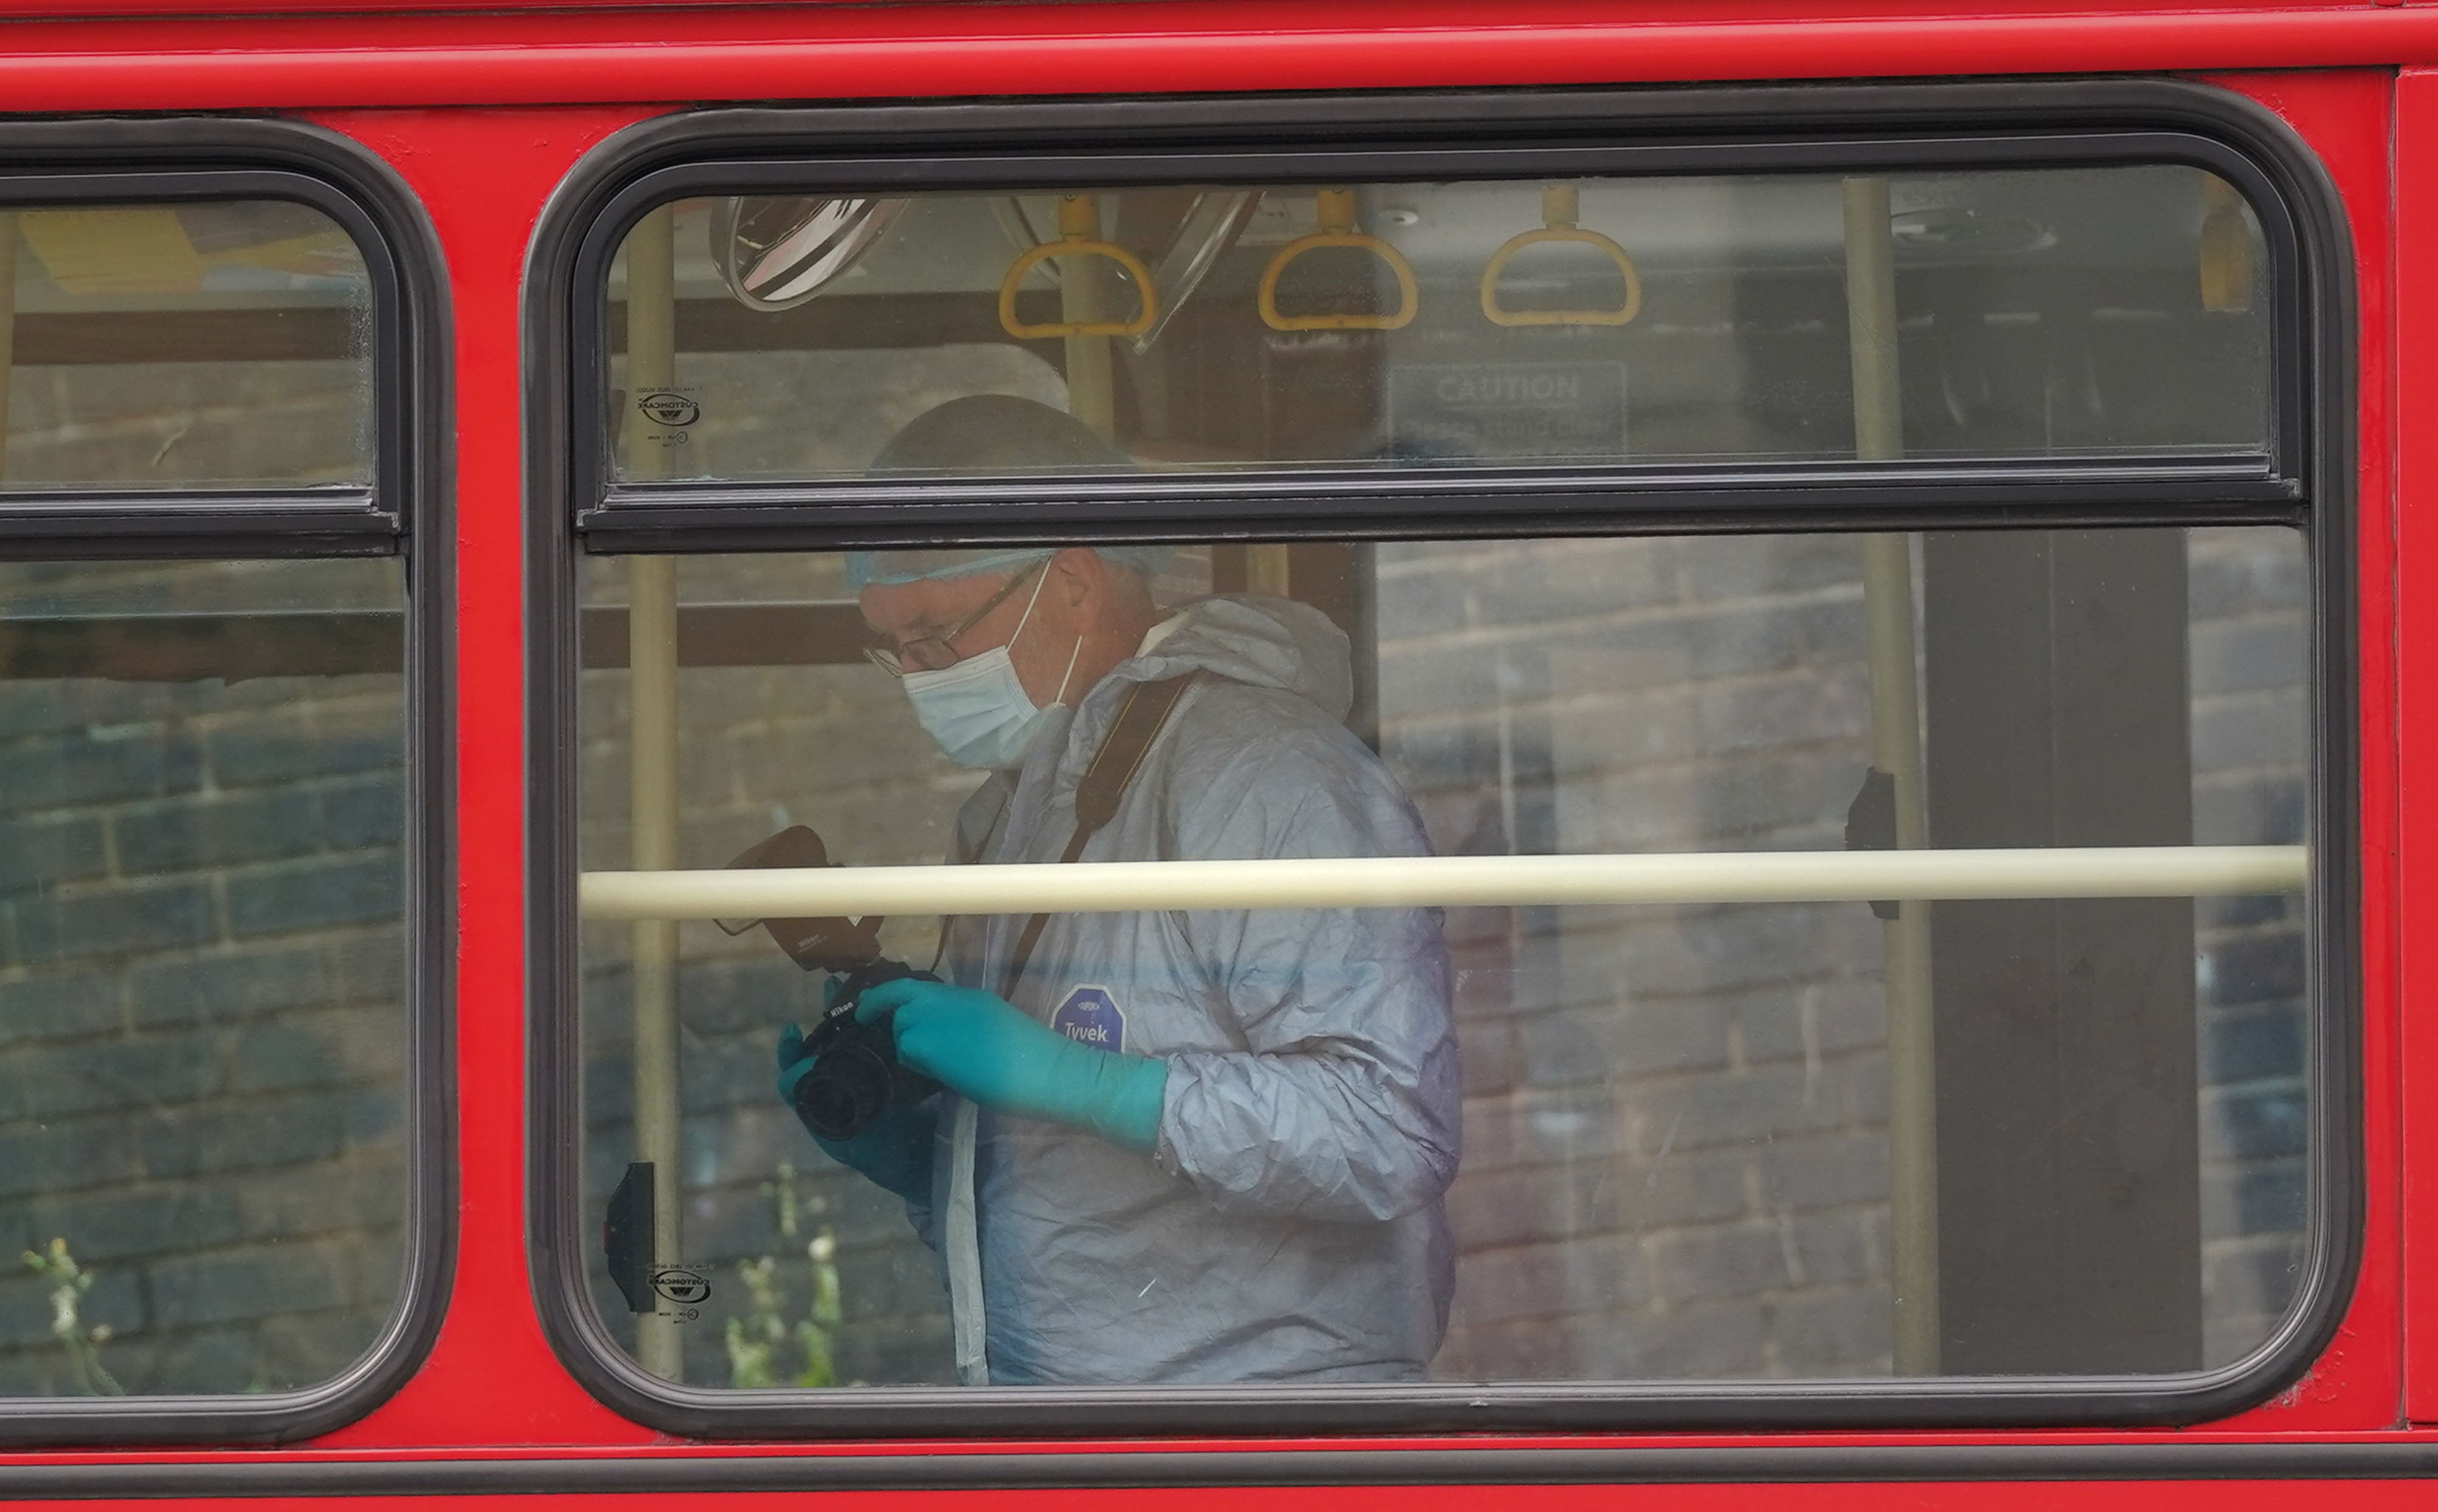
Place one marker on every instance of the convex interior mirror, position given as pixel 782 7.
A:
pixel 775 252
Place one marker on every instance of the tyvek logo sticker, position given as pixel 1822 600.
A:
pixel 1092 1016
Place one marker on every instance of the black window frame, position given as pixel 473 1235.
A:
pixel 403 511
pixel 574 507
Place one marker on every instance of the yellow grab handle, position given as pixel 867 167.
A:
pixel 1078 225
pixel 1337 230
pixel 1561 207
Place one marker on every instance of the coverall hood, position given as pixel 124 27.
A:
pixel 1262 643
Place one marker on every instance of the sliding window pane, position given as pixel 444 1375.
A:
pixel 204 1097
pixel 2091 312
pixel 209 345
pixel 1599 1074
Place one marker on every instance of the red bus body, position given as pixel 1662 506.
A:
pixel 485 110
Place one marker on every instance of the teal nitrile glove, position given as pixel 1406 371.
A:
pixel 894 1154
pixel 979 1045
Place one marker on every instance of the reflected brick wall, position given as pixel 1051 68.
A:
pixel 1675 1157
pixel 203 1019
pixel 2249 624
pixel 202 1025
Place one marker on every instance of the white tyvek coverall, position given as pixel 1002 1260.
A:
pixel 1291 1223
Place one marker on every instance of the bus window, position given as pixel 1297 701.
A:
pixel 208 1129
pixel 1544 887
pixel 1536 1137
pixel 1687 321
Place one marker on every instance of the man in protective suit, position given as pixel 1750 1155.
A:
pixel 1192 1147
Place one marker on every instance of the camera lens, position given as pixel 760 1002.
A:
pixel 846 1090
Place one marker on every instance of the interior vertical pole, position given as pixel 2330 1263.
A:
pixel 652 690
pixel 8 325
pixel 1266 570
pixel 1896 749
pixel 1084 294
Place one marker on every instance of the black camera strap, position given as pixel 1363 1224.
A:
pixel 1131 735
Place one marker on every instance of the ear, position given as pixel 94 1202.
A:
pixel 1078 589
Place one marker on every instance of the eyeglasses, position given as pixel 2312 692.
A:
pixel 937 653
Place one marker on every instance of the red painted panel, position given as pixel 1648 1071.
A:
pixel 2185 1496
pixel 491 1377
pixel 2346 118
pixel 842 52
pixel 474 167
pixel 138 9
pixel 2417 651
pixel 491 1381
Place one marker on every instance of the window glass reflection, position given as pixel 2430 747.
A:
pixel 218 344
pixel 203 977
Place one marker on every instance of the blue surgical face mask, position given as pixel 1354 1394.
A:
pixel 978 710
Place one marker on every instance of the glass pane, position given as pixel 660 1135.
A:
pixel 1547 1131
pixel 218 344
pixel 2096 311
pixel 203 1009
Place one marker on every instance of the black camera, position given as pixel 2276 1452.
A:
pixel 856 1074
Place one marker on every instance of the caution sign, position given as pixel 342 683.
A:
pixel 1508 409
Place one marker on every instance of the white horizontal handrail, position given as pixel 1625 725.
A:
pixel 1449 881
